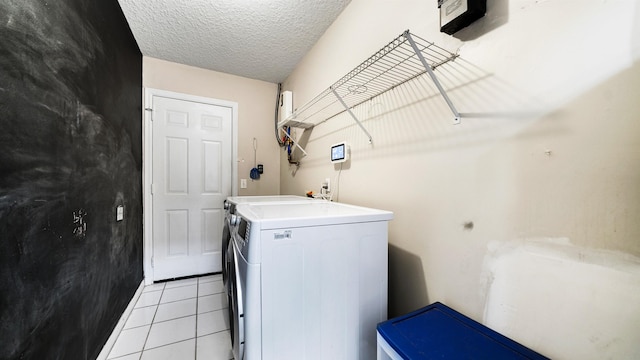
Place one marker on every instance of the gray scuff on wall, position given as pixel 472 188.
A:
pixel 70 152
pixel 526 283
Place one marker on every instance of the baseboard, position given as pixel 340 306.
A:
pixel 106 349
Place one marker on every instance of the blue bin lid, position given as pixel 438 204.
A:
pixel 439 332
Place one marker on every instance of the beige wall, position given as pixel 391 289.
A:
pixel 256 105
pixel 546 166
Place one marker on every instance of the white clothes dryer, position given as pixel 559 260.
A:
pixel 230 210
pixel 230 213
pixel 309 281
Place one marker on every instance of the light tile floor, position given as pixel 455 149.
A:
pixel 182 319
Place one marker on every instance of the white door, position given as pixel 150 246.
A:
pixel 192 176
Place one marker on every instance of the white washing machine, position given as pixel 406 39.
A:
pixel 309 281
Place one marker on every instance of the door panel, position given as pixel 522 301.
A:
pixel 192 174
pixel 211 229
pixel 177 167
pixel 212 161
pixel 177 232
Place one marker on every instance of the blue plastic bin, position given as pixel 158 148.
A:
pixel 439 332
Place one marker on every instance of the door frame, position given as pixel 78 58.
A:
pixel 147 163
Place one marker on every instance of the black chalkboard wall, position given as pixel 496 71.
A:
pixel 70 152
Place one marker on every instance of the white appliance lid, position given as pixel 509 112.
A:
pixel 287 215
pixel 266 199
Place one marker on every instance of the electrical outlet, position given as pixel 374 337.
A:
pixel 243 183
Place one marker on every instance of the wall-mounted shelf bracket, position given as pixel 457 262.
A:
pixel 296 143
pixel 434 78
pixel 351 113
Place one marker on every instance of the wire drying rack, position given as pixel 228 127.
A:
pixel 403 59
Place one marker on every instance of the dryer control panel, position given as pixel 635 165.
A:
pixel 244 229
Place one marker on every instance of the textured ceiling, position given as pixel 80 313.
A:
pixel 258 39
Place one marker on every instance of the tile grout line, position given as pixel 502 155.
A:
pixel 175 301
pixel 157 305
pixel 135 327
pixel 173 343
pixel 176 318
pixel 152 322
pixel 189 284
pixel 164 345
pixel 176 342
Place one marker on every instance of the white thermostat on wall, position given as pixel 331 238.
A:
pixel 340 152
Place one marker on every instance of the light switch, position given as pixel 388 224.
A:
pixel 243 183
pixel 119 213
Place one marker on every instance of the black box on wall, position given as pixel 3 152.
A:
pixel 458 14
